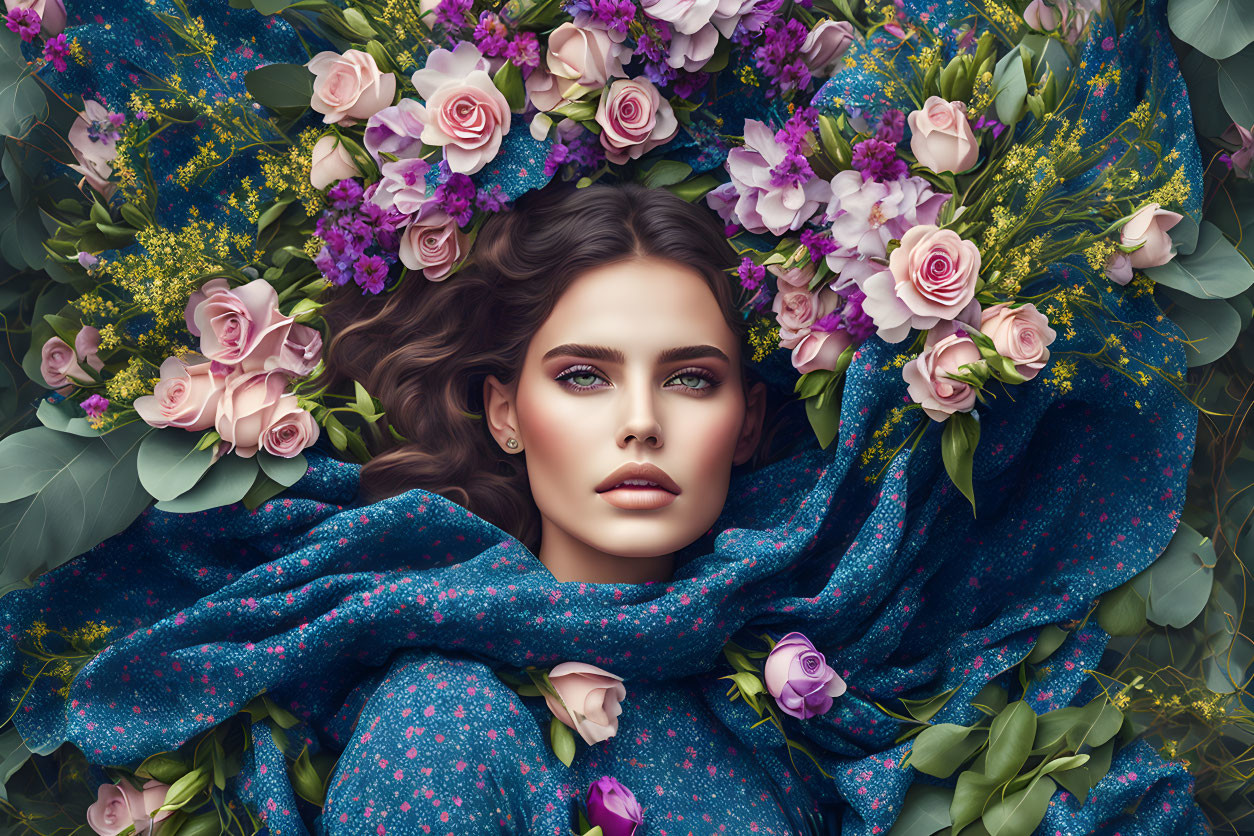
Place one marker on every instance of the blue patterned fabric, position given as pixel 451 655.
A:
pixel 381 626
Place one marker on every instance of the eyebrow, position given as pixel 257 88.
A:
pixel 613 355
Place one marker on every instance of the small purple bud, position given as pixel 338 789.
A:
pixel 613 808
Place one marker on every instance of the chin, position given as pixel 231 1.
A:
pixel 645 537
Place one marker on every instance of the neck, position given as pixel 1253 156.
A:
pixel 569 559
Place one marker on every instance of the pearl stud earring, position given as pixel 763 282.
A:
pixel 512 443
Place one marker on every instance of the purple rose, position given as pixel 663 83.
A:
pixel 396 130
pixel 613 808
pixel 799 679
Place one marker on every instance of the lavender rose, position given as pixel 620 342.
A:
pixel 186 396
pixel 291 429
pixel 119 806
pixel 928 381
pixel 433 245
pixel 1021 335
pixel 331 162
pixel 395 130
pixel 634 119
pixel 403 187
pixel 238 326
pixel 246 409
pixel 613 808
pixel 349 87
pixel 761 205
pixel 942 138
pixel 799 679
pixel 590 699
pixel 1148 227
pixel 62 366
pixel 1119 268
pixel 825 45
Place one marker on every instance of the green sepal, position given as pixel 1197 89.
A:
pixel 958 443
pixel 562 740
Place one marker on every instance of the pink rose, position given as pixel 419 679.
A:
pixel 1041 16
pixel 796 310
pixel 941 136
pixel 799 678
pixel 331 162
pixel 1119 268
pixel 1071 16
pixel 588 57
pixel 246 409
pixel 239 325
pixel 820 350
pixel 291 429
pixel 591 698
pixel 119 806
pixel 433 245
pixel 928 381
pixel 931 277
pixel 468 118
pixel 186 396
pixel 792 278
pixel 300 352
pixel 1243 154
pixel 61 366
pixel 51 14
pixel 349 87
pixel 634 119
pixel 544 90
pixel 1021 335
pixel 1148 227
pixel 825 45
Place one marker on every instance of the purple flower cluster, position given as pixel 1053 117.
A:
pixel 25 22
pixel 878 160
pixel 491 200
pixel 95 406
pixel 451 15
pixel 491 35
pixel 794 169
pixel 108 130
pixel 456 198
pixel 985 122
pixel 687 84
pixel 853 320
pixel 614 15
pixel 892 127
pixel 653 47
pixel 779 56
pixel 818 243
pixel 582 150
pixel 524 51
pixel 56 50
pixel 751 275
pixel 361 239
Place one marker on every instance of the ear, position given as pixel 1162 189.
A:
pixel 500 412
pixel 751 429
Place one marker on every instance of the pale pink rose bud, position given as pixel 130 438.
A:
pixel 592 698
pixel 349 87
pixel 62 367
pixel 634 119
pixel 186 396
pixel 238 326
pixel 1148 227
pixel 119 806
pixel 51 14
pixel 819 350
pixel 942 138
pixel 331 162
pixel 433 245
pixel 1041 16
pixel 300 352
pixel 244 413
pixel 1021 335
pixel 928 381
pixel 825 45
pixel 1119 268
pixel 584 56
pixel 291 429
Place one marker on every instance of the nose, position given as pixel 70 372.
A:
pixel 640 420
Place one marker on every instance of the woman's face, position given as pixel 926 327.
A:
pixel 634 368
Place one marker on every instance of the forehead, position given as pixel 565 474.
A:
pixel 641 305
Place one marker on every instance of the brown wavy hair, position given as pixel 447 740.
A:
pixel 426 348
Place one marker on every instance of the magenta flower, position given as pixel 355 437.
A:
pixel 24 22
pixel 56 50
pixel 95 406
pixel 799 678
pixel 613 808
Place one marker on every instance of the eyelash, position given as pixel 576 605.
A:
pixel 565 378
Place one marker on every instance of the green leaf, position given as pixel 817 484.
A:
pixel 1052 726
pixel 226 482
pixel 1011 85
pixel 562 740
pixel 924 710
pixel 509 81
pixel 971 796
pixel 939 750
pixel 1210 326
pixel 170 463
pixel 305 779
pixel 958 443
pixel 1228 671
pixel 64 494
pixel 65 416
pixel 22 100
pixel 1219 28
pixel 1050 639
pixel 749 683
pixel 13 753
pixel 285 471
pixel 166 767
pixel 694 189
pixel 273 212
pixel 1010 740
pixel 281 87
pixel 185 789
pixel 924 811
pixel 1181 579
pixel 1099 722
pixel 1058 764
pixel 1214 270
pixel 666 173
pixel 1018 814
pixel 1122 611
pixel 825 421
pixel 206 824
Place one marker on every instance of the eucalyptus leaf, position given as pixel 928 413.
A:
pixel 1234 78
pixel 1010 84
pixel 65 416
pixel 13 753
pixel 1050 639
pixel 1122 611
pixel 825 421
pixel 285 471
pixel 1181 579
pixel 971 797
pixel 281 87
pixel 1219 28
pixel 1010 740
pixel 1210 326
pixel 1018 814
pixel 1230 671
pixel 924 811
pixel 939 750
pixel 1214 270
pixel 225 483
pixel 925 709
pixel 1099 721
pixel 170 464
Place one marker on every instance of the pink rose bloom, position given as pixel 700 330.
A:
pixel 792 278
pixel 587 57
pixel 691 52
pixel 685 16
pixel 941 136
pixel 186 396
pixel 820 350
pixel 634 119
pixel 447 67
pixel 433 245
pixel 928 381
pixel 761 206
pixel 464 112
pixel 237 326
pixel 1119 268
pixel 931 277
pixel 796 310
pixel 349 87
pixel 1148 227
pixel 1042 16
pixel 1021 335
pixel 61 366
pixel 395 130
pixel 825 45
pixel 51 14
pixel 291 429
pixel 300 353
pixel 403 187
pixel 1243 156
pixel 591 698
pixel 246 409
pixel 331 162
pixel 119 806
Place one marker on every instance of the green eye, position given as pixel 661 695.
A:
pixel 692 381
pixel 583 378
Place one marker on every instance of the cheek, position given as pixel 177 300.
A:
pixel 558 433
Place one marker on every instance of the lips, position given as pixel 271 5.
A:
pixel 639 477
